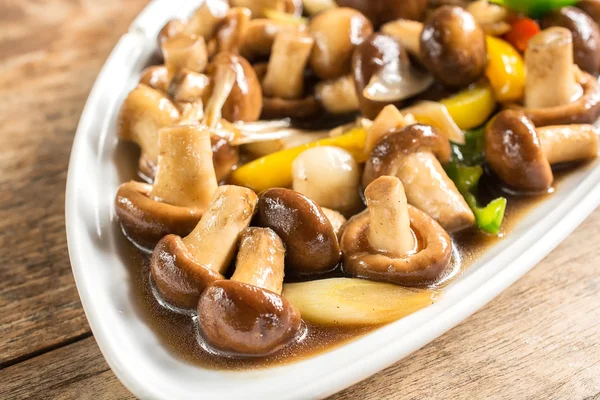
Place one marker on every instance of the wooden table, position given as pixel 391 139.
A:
pixel 539 339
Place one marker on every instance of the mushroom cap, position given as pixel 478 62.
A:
pixel 180 280
pixel 368 58
pixel 336 32
pixel 514 152
pixel 225 156
pixel 386 157
pixel 145 221
pixel 156 76
pixel 310 240
pixel 584 110
pixel 243 319
pixel 418 269
pixel 586 36
pixel 453 47
pixel 591 8
pixel 245 100
pixel 381 11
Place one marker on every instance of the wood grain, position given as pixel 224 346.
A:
pixel 539 339
pixel 50 53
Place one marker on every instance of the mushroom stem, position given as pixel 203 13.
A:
pixel 186 174
pixel 389 226
pixel 550 74
pixel 260 259
pixel 224 80
pixel 184 52
pixel 207 18
pixel 567 143
pixel 285 71
pixel 428 188
pixel 213 241
pixel 407 32
pixel 338 96
pixel 232 33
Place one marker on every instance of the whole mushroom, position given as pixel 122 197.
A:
pixel 586 36
pixel 394 242
pixel 412 154
pixel 384 74
pixel 185 182
pixel 182 268
pixel 310 240
pixel 261 34
pixel 556 92
pixel 521 154
pixel 336 33
pixel 247 315
pixel 380 11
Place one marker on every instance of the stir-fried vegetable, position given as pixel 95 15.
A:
pixel 275 170
pixel 505 70
pixel 521 30
pixel 535 7
pixel 471 107
pixel 465 170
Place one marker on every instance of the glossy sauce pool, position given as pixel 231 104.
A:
pixel 178 331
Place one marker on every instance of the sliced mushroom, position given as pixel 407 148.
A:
pixel 585 32
pixel 336 32
pixel 184 52
pixel 521 155
pixel 295 137
pixel 310 241
pixel 184 184
pixel 182 268
pixel 394 242
pixel 388 121
pixel 555 91
pixel 285 72
pixel 380 11
pixel 233 30
pixel 436 114
pixel 407 33
pixel 261 34
pixel 453 47
pixel 247 315
pixel 156 77
pixel 143 113
pixel 207 18
pixel 330 177
pixel 412 155
pixel 338 96
pixel 383 74
pixel 244 101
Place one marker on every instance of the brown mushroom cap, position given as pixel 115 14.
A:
pixel 245 319
pixel 584 110
pixel 310 240
pixel 381 11
pixel 384 158
pixel 586 36
pixel 336 32
pixel 453 47
pixel 179 279
pixel 146 221
pixel 591 8
pixel 421 268
pixel 245 100
pixel 514 152
pixel 156 76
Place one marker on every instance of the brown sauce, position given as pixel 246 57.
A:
pixel 178 332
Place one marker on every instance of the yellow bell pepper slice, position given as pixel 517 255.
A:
pixel 275 170
pixel 505 70
pixel 471 107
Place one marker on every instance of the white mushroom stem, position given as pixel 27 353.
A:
pixel 260 259
pixel 407 32
pixel 336 219
pixel 568 143
pixel 389 222
pixel 550 78
pixel 338 96
pixel 224 79
pixel 285 71
pixel 184 52
pixel 233 32
pixel 185 175
pixel 388 120
pixel 207 18
pixel 214 240
pixel 191 113
pixel 436 114
pixel 189 86
pixel 429 188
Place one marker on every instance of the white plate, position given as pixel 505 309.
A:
pixel 133 350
